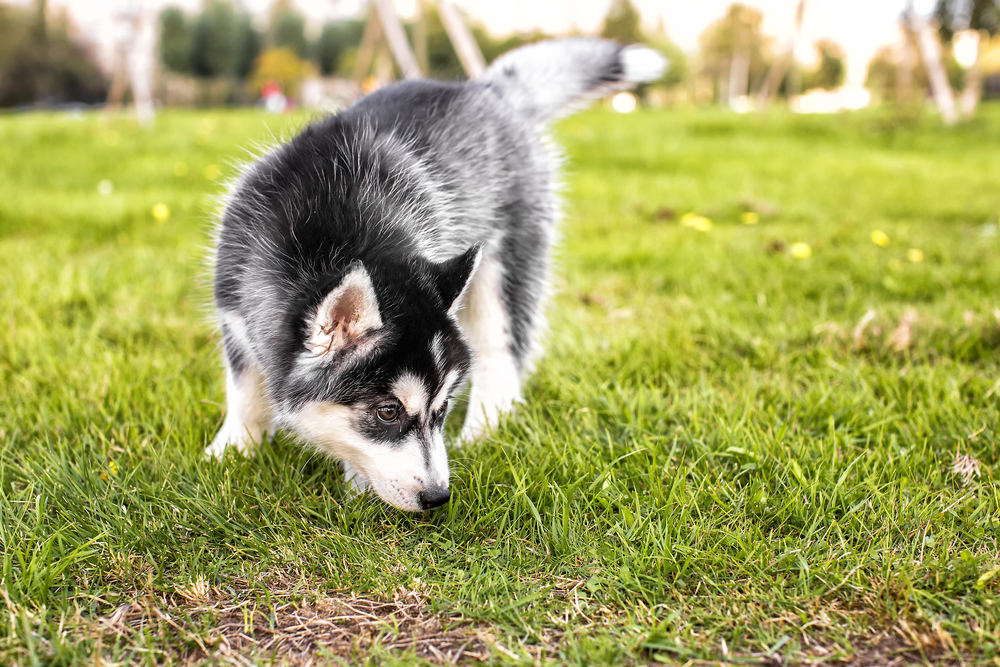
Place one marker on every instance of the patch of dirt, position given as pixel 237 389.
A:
pixel 212 623
pixel 897 646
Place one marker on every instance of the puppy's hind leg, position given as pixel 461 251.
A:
pixel 247 407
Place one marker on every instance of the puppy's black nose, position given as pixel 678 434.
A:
pixel 434 497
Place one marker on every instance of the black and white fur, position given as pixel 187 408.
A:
pixel 368 266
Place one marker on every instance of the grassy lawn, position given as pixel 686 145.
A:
pixel 739 445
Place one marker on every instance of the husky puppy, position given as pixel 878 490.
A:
pixel 366 268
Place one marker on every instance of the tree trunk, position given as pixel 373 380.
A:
pixel 904 82
pixel 780 67
pixel 142 65
pixel 930 54
pixel 739 74
pixel 366 51
pixel 972 91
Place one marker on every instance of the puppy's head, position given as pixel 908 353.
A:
pixel 381 355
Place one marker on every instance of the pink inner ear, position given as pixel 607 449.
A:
pixel 347 314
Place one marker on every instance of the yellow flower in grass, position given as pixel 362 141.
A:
pixel 802 251
pixel 161 213
pixel 112 468
pixel 212 172
pixel 915 255
pixel 750 218
pixel 695 221
pixel 880 238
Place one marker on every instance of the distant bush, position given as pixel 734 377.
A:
pixel 831 69
pixel 283 67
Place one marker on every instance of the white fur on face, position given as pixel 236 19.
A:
pixel 442 395
pixel 437 348
pixel 397 473
pixel 347 313
pixel 412 393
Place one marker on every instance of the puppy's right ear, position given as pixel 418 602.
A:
pixel 455 274
pixel 346 316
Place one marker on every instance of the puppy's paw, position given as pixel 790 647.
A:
pixel 470 433
pixel 242 441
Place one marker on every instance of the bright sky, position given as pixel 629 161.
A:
pixel 860 26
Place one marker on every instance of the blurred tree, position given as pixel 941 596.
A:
pixel 40 61
pixel 14 25
pixel 954 15
pixel 282 66
pixel 248 46
pixel 288 30
pixel 883 77
pixel 886 77
pixel 677 63
pixel 734 53
pixel 175 40
pixel 213 40
pixel 334 41
pixel 831 69
pixel 623 23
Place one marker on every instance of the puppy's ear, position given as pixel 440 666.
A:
pixel 455 274
pixel 347 314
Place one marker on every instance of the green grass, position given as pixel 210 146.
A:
pixel 713 458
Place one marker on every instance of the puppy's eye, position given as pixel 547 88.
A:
pixel 387 413
pixel 444 408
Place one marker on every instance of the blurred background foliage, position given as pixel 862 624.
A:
pixel 221 54
pixel 40 61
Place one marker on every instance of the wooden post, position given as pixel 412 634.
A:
pixel 461 37
pixel 930 53
pixel 366 51
pixel 420 37
pixel 396 36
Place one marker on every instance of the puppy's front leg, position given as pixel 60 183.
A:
pixel 247 413
pixel 496 378
pixel 358 484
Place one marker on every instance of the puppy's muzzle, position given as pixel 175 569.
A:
pixel 433 497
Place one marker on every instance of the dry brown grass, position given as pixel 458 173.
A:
pixel 301 626
pixel 295 629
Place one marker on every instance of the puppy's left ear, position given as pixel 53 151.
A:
pixel 454 275
pixel 346 316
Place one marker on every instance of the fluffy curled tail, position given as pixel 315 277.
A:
pixel 556 77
